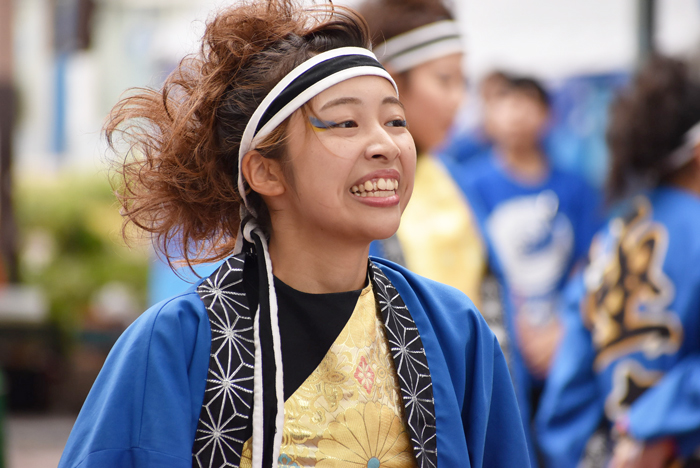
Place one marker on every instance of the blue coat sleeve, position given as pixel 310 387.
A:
pixel 142 410
pixel 571 406
pixel 478 420
pixel 671 407
pixel 498 437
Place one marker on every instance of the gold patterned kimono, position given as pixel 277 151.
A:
pixel 438 232
pixel 348 412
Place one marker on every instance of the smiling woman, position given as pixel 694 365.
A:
pixel 283 149
pixel 420 44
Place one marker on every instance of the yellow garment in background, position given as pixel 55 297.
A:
pixel 348 413
pixel 438 232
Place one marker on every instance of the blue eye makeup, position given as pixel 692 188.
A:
pixel 320 124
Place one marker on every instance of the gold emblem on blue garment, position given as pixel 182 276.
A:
pixel 626 307
pixel 630 381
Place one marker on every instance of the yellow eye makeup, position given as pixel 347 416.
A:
pixel 319 125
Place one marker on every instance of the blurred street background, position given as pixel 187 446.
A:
pixel 68 284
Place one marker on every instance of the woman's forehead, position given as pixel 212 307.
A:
pixel 361 90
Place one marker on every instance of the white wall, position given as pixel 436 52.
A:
pixel 549 38
pixel 556 38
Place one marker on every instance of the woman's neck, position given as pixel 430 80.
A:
pixel 526 163
pixel 688 178
pixel 318 265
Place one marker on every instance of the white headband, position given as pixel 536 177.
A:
pixel 683 154
pixel 420 45
pixel 298 87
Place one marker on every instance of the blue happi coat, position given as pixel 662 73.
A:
pixel 144 407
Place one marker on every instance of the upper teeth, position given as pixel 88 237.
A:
pixel 379 184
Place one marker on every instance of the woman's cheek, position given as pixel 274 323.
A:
pixel 406 195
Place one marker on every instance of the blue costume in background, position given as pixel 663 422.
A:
pixel 462 147
pixel 144 407
pixel 535 233
pixel 631 350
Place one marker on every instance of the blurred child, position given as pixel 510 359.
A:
pixel 420 45
pixel 537 221
pixel 630 355
pixel 463 147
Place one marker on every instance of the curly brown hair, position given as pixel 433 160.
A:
pixel 648 122
pixel 177 179
pixel 389 18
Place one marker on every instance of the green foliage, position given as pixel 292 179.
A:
pixel 71 246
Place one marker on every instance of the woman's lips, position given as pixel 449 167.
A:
pixel 379 192
pixel 376 188
pixel 379 188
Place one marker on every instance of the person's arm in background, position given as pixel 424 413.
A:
pixel 571 406
pixel 591 220
pixel 664 422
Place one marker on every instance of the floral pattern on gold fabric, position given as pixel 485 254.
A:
pixel 350 404
pixel 364 375
pixel 371 435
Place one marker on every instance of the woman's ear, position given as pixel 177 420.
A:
pixel 263 175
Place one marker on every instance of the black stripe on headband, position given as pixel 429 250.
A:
pixel 312 76
pixel 420 46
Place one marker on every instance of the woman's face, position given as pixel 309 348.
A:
pixel 432 93
pixel 352 162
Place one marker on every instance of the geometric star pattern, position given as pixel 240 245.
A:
pixel 224 421
pixel 412 368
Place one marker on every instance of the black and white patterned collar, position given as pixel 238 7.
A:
pixel 225 419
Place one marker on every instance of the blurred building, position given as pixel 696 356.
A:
pixel 583 49
pixel 74 58
pixel 71 61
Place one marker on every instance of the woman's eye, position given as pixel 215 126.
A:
pixel 346 124
pixel 397 123
pixel 328 124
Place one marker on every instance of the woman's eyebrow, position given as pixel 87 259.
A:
pixel 392 100
pixel 340 101
pixel 357 101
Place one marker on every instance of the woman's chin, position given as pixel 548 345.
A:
pixel 385 233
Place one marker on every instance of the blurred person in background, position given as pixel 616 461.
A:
pixel 420 44
pixel 462 147
pixel 538 223
pixel 254 151
pixel 630 355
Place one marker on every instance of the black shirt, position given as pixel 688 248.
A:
pixel 309 324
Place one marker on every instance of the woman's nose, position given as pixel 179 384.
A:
pixel 382 145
